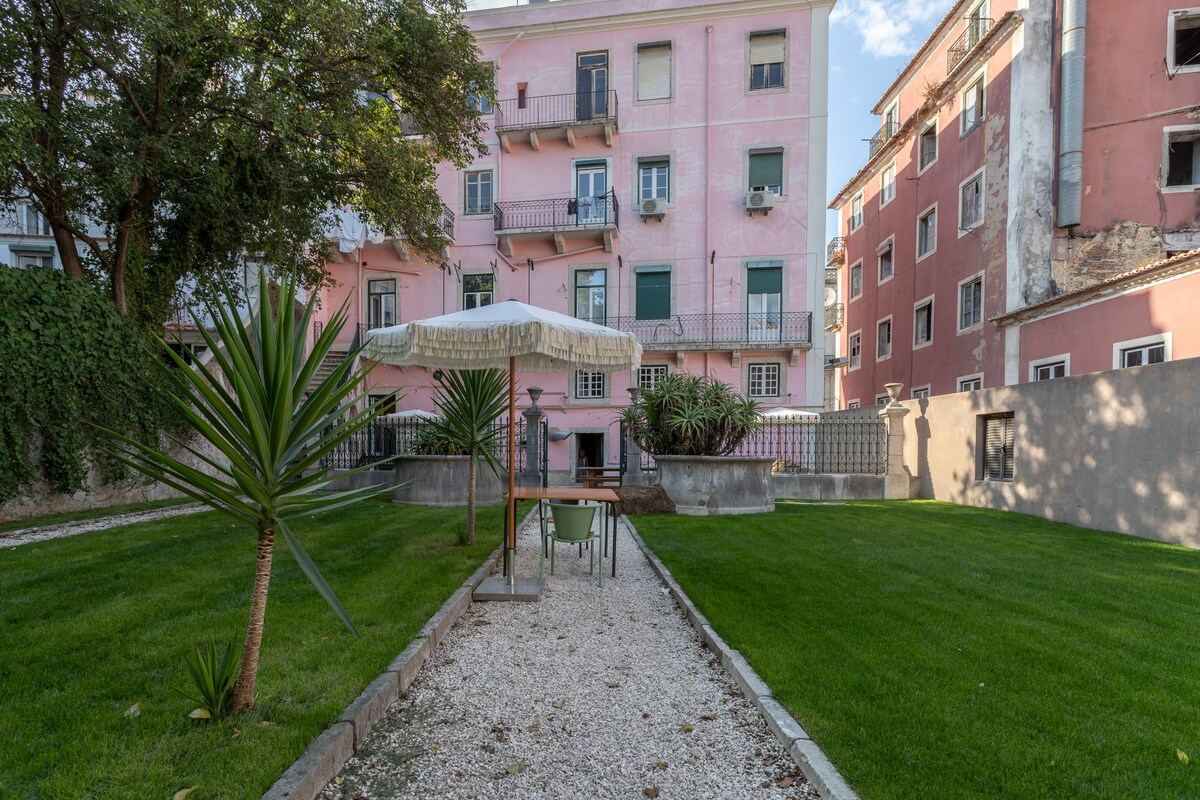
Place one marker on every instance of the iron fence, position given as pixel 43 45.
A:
pixel 886 132
pixel 977 27
pixel 810 445
pixel 556 213
pixel 553 110
pixel 383 439
pixel 447 221
pixel 718 331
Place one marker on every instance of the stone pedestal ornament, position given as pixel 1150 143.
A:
pixel 898 481
pixel 533 440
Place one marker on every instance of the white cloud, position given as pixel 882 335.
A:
pixel 890 27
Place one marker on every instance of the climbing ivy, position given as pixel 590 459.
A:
pixel 69 363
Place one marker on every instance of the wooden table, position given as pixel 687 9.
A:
pixel 544 493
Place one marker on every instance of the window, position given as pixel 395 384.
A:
pixel 381 303
pixel 1140 352
pixel 855 350
pixel 972 106
pixel 886 261
pixel 654 178
pixel 852 404
pixel 970 203
pixel 1181 161
pixel 591 85
pixel 970 383
pixel 970 303
pixel 998 434
pixel 891 120
pixel 767 53
pixel 927 147
pixel 856 285
pixel 923 323
pixel 589 385
pixel 1183 42
pixel 920 392
pixel 856 214
pixel 22 258
pixel 478 290
pixel 882 399
pixel 479 101
pixel 766 170
pixel 477 193
pixel 887 184
pixel 1049 370
pixel 883 340
pixel 976 21
pixel 34 224
pixel 764 300
pixel 654 71
pixel 652 292
pixel 590 299
pixel 927 233
pixel 763 380
pixel 648 376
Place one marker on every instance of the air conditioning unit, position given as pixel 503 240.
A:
pixel 654 207
pixel 760 200
pixel 833 362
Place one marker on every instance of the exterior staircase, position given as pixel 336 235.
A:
pixel 333 359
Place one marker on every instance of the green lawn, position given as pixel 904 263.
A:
pixel 91 625
pixel 938 651
pixel 91 513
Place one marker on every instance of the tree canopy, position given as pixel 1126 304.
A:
pixel 170 138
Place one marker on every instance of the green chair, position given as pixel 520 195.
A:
pixel 572 525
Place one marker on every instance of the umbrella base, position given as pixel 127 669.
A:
pixel 497 588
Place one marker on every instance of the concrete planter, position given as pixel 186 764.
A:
pixel 709 485
pixel 443 481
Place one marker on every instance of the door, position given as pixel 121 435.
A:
pixel 764 303
pixel 591 193
pixel 591 86
pixel 589 452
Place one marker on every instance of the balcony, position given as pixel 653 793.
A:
pixel 557 219
pixel 791 330
pixel 831 276
pixel 835 316
pixel 557 116
pixel 977 28
pixel 876 142
pixel 835 253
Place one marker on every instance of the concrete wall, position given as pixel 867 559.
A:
pixel 1117 450
pixel 828 487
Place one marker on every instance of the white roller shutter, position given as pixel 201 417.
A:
pixel 767 48
pixel 654 71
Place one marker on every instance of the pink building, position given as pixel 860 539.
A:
pixel 1029 151
pixel 659 169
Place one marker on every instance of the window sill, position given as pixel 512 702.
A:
pixel 972 329
pixel 922 256
pixel 922 170
pixel 922 345
pixel 885 203
pixel 657 102
pixel 590 401
pixel 888 279
pixel 480 215
pixel 967 231
pixel 1185 189
pixel 965 132
pixel 767 90
pixel 879 359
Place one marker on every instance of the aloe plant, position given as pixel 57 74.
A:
pixel 255 404
pixel 688 415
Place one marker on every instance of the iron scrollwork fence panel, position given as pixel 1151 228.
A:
pixel 382 439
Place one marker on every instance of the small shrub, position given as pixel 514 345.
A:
pixel 213 675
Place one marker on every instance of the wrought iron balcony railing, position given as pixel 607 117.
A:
pixel 447 221
pixel 557 110
pixel 555 214
pixel 886 132
pixel 835 253
pixel 835 316
pixel 720 331
pixel 977 27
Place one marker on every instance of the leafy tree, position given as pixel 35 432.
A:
pixel 168 139
pixel 256 404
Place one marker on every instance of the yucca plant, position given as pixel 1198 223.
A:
pixel 213 674
pixel 688 415
pixel 254 402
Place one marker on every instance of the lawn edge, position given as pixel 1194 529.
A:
pixel 812 761
pixel 332 748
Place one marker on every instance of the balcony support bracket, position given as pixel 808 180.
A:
pixel 504 245
pixel 794 357
pixel 560 243
pixel 609 132
pixel 534 142
pixel 505 143
pixel 609 235
pixel 400 245
pixel 679 356
pixel 570 137
pixel 735 357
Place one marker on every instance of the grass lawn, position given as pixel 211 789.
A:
pixel 939 651
pixel 91 625
pixel 91 513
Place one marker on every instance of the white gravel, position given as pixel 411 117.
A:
pixel 47 532
pixel 588 693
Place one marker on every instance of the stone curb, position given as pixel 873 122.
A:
pixel 815 765
pixel 330 751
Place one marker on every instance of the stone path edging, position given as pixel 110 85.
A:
pixel 330 751
pixel 817 768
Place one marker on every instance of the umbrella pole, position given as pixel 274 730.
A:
pixel 511 511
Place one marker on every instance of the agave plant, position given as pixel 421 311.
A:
pixel 687 415
pixel 256 405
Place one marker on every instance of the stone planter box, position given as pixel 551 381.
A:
pixel 709 485
pixel 443 481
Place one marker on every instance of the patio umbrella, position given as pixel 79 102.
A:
pixel 511 334
pixel 415 413
pixel 782 411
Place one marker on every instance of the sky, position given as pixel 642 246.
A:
pixel 870 41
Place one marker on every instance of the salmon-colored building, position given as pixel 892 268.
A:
pixel 1030 150
pixel 658 168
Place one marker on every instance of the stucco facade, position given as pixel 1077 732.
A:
pixel 1011 232
pixel 685 104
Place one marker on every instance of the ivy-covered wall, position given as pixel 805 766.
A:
pixel 68 366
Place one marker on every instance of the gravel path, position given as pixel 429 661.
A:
pixel 588 693
pixel 47 532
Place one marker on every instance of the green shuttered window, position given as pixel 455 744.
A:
pixel 764 280
pixel 653 295
pixel 766 170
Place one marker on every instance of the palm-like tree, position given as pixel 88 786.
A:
pixel 255 405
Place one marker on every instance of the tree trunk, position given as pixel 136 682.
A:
pixel 243 691
pixel 67 252
pixel 471 502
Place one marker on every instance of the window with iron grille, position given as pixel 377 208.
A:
pixel 381 303
pixel 998 437
pixel 648 376
pixel 589 385
pixel 763 380
pixel 768 52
